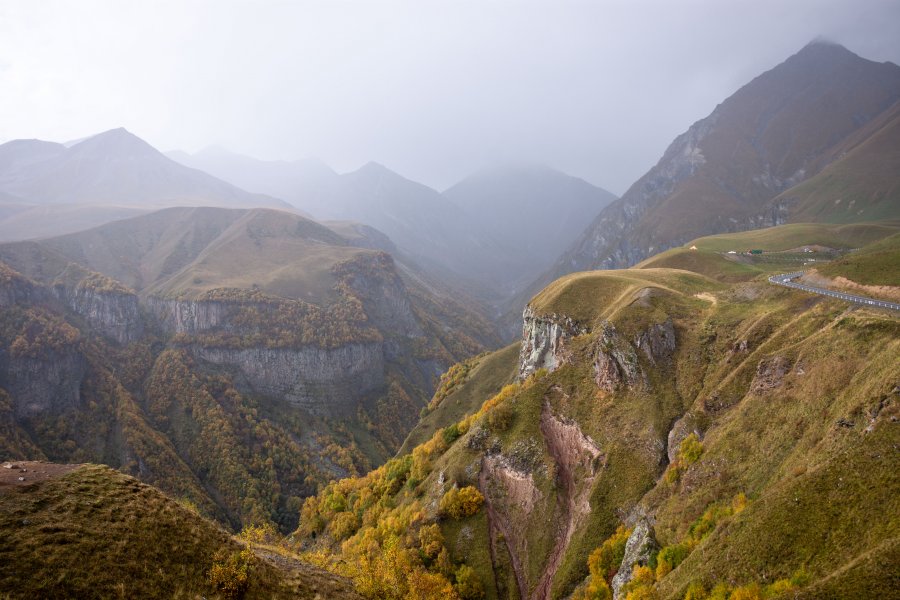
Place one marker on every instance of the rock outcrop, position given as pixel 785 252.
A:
pixel 658 342
pixel 510 496
pixel 374 280
pixel 769 374
pixel 615 361
pixel 682 428
pixel 640 545
pixel 545 341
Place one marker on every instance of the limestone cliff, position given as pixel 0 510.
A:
pixel 113 313
pixel 545 340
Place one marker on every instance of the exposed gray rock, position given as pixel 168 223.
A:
pixel 114 314
pixel 615 361
pixel 49 384
pixel 769 374
pixel 189 316
pixel 640 545
pixel 385 299
pixel 658 342
pixel 545 341
pixel 324 381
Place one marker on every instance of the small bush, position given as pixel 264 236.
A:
pixel 690 450
pixel 669 558
pixel 460 503
pixel 230 573
pixel 605 560
pixel 431 541
pixel 747 592
pixel 597 589
pixel 501 417
pixel 451 434
pixel 696 591
pixel 468 585
pixel 259 534
pixel 343 526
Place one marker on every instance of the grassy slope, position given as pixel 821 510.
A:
pixel 491 373
pixel 811 482
pixel 787 237
pixel 95 533
pixel 279 253
pixel 861 185
pixel 875 264
pixel 822 495
pixel 710 257
pixel 188 251
pixel 588 296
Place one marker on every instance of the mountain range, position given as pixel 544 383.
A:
pixel 490 228
pixel 665 424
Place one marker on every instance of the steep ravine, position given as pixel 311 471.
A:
pixel 578 460
pixel 577 463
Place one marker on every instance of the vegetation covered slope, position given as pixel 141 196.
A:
pixel 860 185
pixel 783 250
pixel 242 398
pixel 739 436
pixel 95 533
pixel 873 264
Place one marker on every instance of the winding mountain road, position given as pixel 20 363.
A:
pixel 787 280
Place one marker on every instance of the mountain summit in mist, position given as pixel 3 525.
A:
pixel 721 174
pixel 48 188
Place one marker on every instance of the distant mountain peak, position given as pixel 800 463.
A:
pixel 119 141
pixel 821 48
pixel 373 167
pixel 821 40
pixel 373 170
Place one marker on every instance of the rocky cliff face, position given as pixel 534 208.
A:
pixel 615 361
pixel 114 314
pixel 49 384
pixel 545 341
pixel 323 381
pixel 188 316
pixel 640 545
pixel 658 342
pixel 374 280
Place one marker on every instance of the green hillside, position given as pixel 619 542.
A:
pixel 782 248
pixel 860 185
pixel 755 439
pixel 873 264
pixel 787 237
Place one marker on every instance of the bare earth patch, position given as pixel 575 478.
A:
pixel 26 472
pixel 707 296
pixel 881 292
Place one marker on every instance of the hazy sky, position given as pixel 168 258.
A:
pixel 432 89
